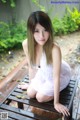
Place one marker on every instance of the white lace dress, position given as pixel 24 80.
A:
pixel 43 81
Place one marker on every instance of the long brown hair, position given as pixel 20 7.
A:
pixel 44 20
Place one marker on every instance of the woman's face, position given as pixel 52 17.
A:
pixel 41 35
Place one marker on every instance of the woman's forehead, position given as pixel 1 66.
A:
pixel 39 26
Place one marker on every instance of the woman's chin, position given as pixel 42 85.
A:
pixel 41 43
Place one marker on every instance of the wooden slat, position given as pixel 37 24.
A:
pixel 19 90
pixel 34 103
pixel 16 116
pixel 23 113
pixel 15 94
pixel 10 118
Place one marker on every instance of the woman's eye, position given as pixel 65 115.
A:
pixel 36 31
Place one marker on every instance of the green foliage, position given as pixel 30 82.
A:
pixel 18 30
pixel 4 1
pixel 36 2
pixel 75 15
pixel 12 2
pixel 68 24
pixel 12 35
pixel 4 31
pixel 58 26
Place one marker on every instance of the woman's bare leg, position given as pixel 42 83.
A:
pixel 43 98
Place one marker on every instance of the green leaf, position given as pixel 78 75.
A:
pixel 4 1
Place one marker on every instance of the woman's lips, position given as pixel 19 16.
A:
pixel 42 40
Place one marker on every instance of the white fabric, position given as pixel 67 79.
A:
pixel 43 82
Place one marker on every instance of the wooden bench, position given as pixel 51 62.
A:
pixel 19 113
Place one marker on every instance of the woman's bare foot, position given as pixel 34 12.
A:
pixel 23 86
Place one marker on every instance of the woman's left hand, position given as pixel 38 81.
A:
pixel 62 109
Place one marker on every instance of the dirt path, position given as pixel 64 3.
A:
pixel 8 62
pixel 69 45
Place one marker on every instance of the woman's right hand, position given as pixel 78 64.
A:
pixel 62 109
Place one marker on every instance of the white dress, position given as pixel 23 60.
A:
pixel 43 82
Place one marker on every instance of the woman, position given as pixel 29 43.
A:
pixel 48 73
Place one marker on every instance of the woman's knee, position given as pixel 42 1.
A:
pixel 31 92
pixel 40 97
pixel 43 98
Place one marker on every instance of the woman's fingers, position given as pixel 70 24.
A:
pixel 62 109
pixel 65 112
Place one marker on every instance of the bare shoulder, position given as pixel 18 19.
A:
pixel 56 52
pixel 25 46
pixel 55 48
pixel 24 43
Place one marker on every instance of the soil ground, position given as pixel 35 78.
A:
pixel 69 44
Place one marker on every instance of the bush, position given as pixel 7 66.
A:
pixel 4 31
pixel 68 24
pixel 12 35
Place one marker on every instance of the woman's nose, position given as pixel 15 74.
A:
pixel 42 34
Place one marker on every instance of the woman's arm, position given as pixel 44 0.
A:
pixel 31 71
pixel 56 56
pixel 25 49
